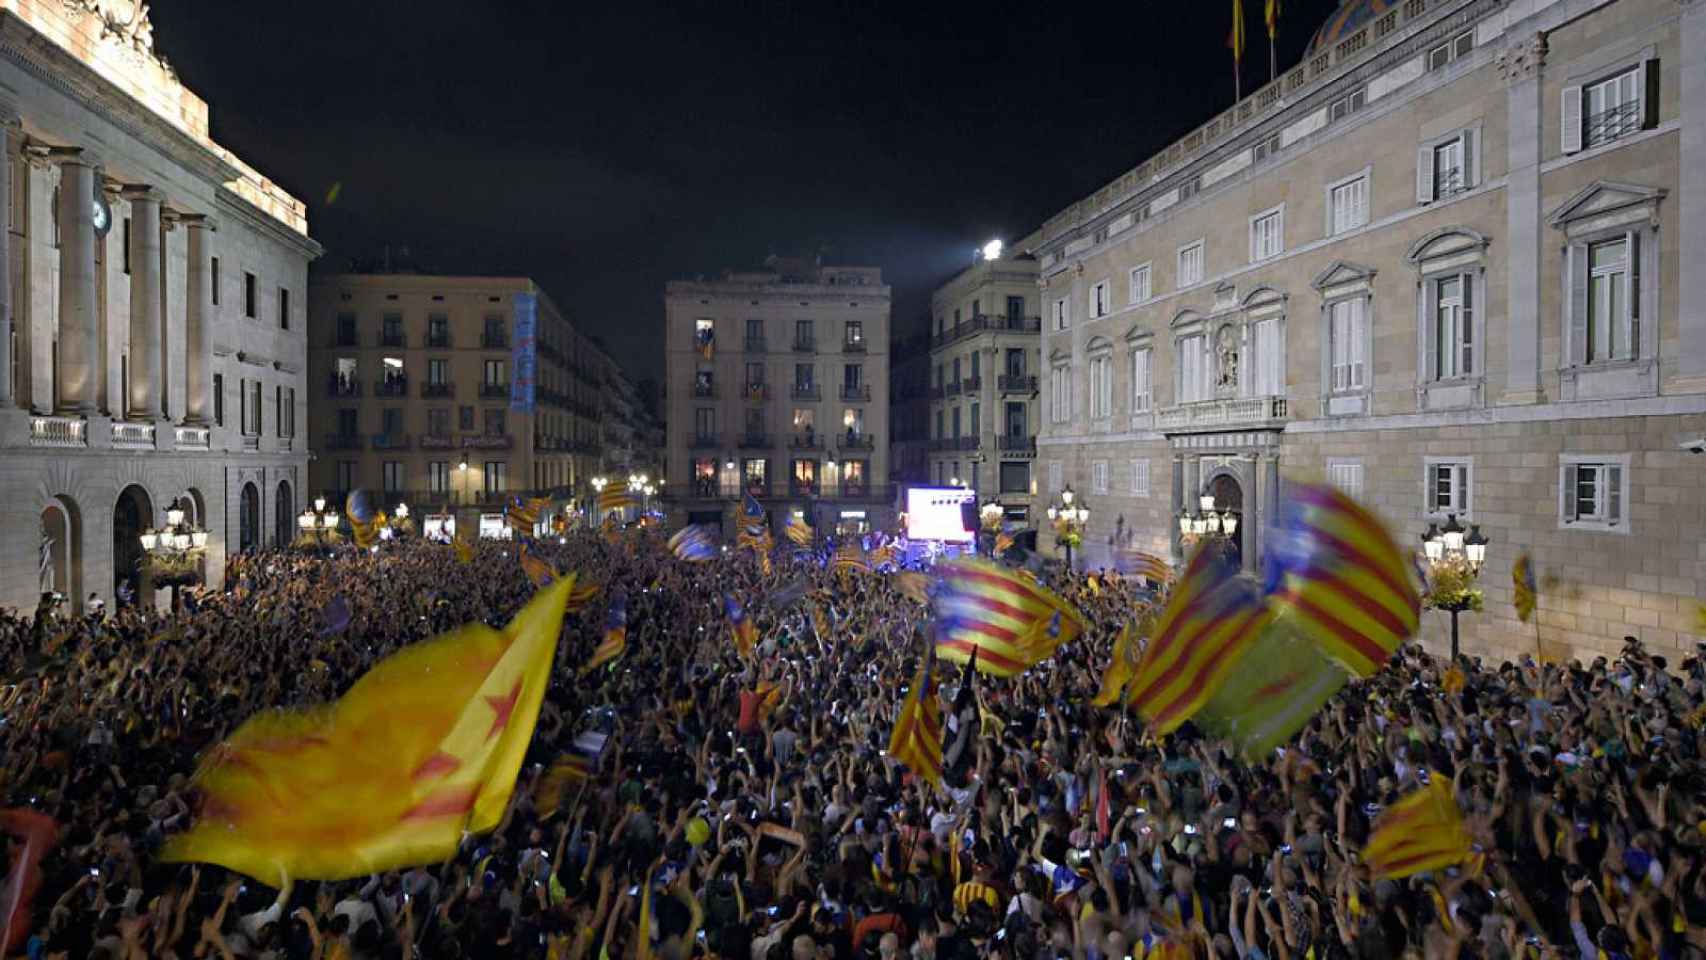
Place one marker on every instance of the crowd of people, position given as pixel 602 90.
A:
pixel 784 831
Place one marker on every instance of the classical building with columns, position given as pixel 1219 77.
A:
pixel 152 330
pixel 1442 263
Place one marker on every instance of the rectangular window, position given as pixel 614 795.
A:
pixel 1346 476
pixel 939 434
pixel 1101 387
pixel 853 420
pixel 287 411
pixel 1140 478
pixel 1054 477
pixel 1099 299
pixel 1592 490
pixel 754 376
pixel 438 330
pixel 348 422
pixel 1099 476
pixel 346 475
pixel 853 335
pixel 755 334
pixel 1141 395
pixel 1458 46
pixel 438 422
pixel 852 377
pixel 1193 368
pixel 391 330
pixel 250 308
pixel 214 277
pixel 345 334
pixel 496 476
pixel 1453 327
pixel 494 336
pixel 391 421
pixel 976 364
pixel 438 476
pixel 1265 148
pixel 1447 167
pixel 493 374
pixel 1614 107
pixel 1267 234
pixel 1611 330
pixel 1060 394
pixel 1140 289
pixel 438 371
pixel 125 239
pixel 1345 106
pixel 1449 486
pixel 805 335
pixel 804 376
pixel 255 425
pixel 1015 310
pixel 1059 313
pixel 1268 366
pixel 1015 477
pixel 391 475
pixel 1190 264
pixel 465 418
pixel 495 425
pixel 219 399
pixel 283 309
pixel 705 423
pixel 1347 205
pixel 1345 333
pixel 1189 188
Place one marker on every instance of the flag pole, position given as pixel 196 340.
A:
pixel 1273 67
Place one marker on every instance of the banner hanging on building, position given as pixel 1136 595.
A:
pixel 523 361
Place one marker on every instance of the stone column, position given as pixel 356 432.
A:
pixel 9 127
pixel 198 304
pixel 79 326
pixel 1520 64
pixel 1691 195
pixel 147 339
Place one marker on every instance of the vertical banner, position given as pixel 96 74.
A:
pixel 523 360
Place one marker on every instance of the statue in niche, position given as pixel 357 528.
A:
pixel 1226 355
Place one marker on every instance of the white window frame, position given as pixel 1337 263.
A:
pixel 1061 311
pixel 1055 479
pixel 1192 380
pixel 1101 298
pixel 1140 478
pixel 1354 344
pixel 1264 362
pixel 1611 501
pixel 1264 246
pixel 1467 308
pixel 1060 393
pixel 1346 105
pixel 1467 143
pixel 1102 386
pixel 1199 248
pixel 1335 225
pixel 1584 220
pixel 1099 477
pixel 1142 382
pixel 1462 487
pixel 1621 330
pixel 1444 54
pixel 1141 286
pixel 1346 475
pixel 1639 112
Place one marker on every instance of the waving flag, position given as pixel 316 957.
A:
pixel 334 616
pixel 796 530
pixel 615 635
pixel 33 834
pixel 464 550
pixel 522 517
pixel 751 507
pixel 366 534
pixel 423 749
pixel 1336 570
pixel 1522 578
pixel 849 557
pixel 917 737
pixel 693 544
pixel 1012 621
pixel 1120 668
pixel 886 554
pixel 1424 831
pixel 1211 619
pixel 820 623
pixel 913 585
pixel 583 593
pixel 571 772
pixel 536 569
pixel 1282 682
pixel 740 625
pixel 1003 543
pixel 1146 565
pixel 616 496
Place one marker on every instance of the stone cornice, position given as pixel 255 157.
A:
pixel 231 201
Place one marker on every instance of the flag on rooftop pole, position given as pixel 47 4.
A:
pixel 1235 40
pixel 1272 15
pixel 424 748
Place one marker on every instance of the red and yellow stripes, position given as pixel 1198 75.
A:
pixel 1423 831
pixel 1011 621
pixel 917 737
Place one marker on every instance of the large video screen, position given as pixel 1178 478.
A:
pixel 933 513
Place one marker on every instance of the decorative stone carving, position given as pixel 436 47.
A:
pixel 1522 60
pixel 1226 353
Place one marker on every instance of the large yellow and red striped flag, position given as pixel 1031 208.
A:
pixel 1120 668
pixel 616 496
pixel 917 737
pixel 1235 37
pixel 1209 622
pixel 1282 682
pixel 522 517
pixel 796 530
pixel 850 556
pixel 1340 577
pixel 1423 831
pixel 615 635
pixel 1013 621
pixel 583 593
pixel 571 771
pixel 424 748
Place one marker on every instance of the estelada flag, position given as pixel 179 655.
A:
pixel 536 569
pixel 917 737
pixel 913 585
pixel 615 635
pixel 1281 682
pixel 425 747
pixel 522 518
pixel 1423 831
pixel 745 633
pixel 1522 579
pixel 583 593
pixel 1120 668
pixel 1014 622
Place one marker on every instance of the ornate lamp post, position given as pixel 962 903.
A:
pixel 1069 522
pixel 1454 561
pixel 317 524
pixel 1206 522
pixel 173 553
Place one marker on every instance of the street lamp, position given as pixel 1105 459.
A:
pixel 316 524
pixel 1454 560
pixel 1206 522
pixel 1069 522
pixel 172 554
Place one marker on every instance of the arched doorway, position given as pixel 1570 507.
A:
pixel 249 519
pixel 284 516
pixel 60 560
pixel 1229 497
pixel 132 513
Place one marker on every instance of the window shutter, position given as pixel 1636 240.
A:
pixel 1632 295
pixel 1428 323
pixel 1425 175
pixel 1468 344
pixel 1430 489
pixel 1577 276
pixel 1571 120
pixel 1471 150
pixel 1650 95
pixel 1569 493
pixel 1613 493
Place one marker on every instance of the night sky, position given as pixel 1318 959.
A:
pixel 606 148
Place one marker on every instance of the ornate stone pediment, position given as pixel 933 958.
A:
pixel 1341 272
pixel 1604 197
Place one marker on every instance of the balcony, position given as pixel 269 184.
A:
pixel 193 438
pixel 755 441
pixel 805 441
pixel 806 391
pixel 491 340
pixel 393 339
pixel 853 346
pixel 337 386
pixel 703 441
pixel 438 389
pixel 1016 383
pixel 437 441
pixel 951 389
pixel 1217 414
pixel 390 441
pixel 391 387
pixel 757 391
pixel 799 489
pixel 346 338
pixel 858 441
pixel 487 441
pixel 133 436
pixel 755 345
pixel 805 344
pixel 981 322
pixel 439 341
pixel 705 391
pixel 855 391
pixel 342 441
pixel 971 384
pixel 494 391
pixel 1016 448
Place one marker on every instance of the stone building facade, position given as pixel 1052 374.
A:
pixel 777 385
pixel 1442 264
pixel 152 326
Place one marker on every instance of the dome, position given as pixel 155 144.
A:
pixel 1345 21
